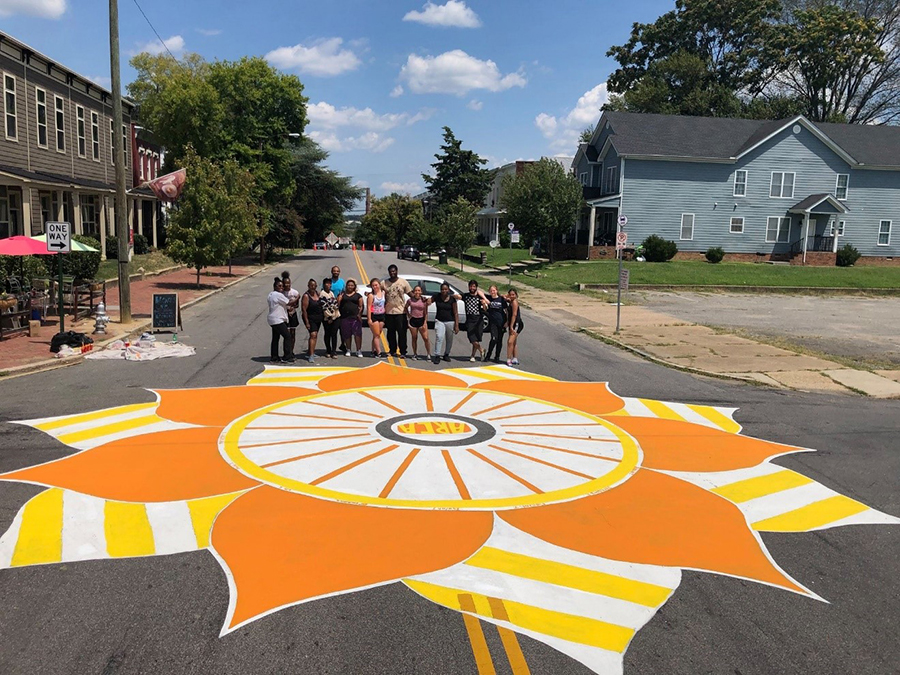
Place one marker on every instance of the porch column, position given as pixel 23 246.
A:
pixel 26 211
pixel 153 221
pixel 76 212
pixel 104 222
pixel 60 209
pixel 140 214
pixel 591 225
pixel 834 243
pixel 805 235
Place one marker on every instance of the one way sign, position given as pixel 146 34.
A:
pixel 59 237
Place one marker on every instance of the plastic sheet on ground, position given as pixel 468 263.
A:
pixel 144 350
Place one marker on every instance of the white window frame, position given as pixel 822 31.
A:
pixel 681 236
pixel 842 224
pixel 781 194
pixel 59 116
pixel 888 233
pixel 143 154
pixel 15 105
pixel 37 117
pixel 112 143
pixel 95 136
pixel 737 183
pixel 612 178
pixel 778 230
pixel 838 186
pixel 731 225
pixel 126 141
pixel 583 176
pixel 81 131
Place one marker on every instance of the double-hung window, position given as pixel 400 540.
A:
pixel 59 107
pixel 80 129
pixel 737 225
pixel 95 136
pixel 125 144
pixel 584 180
pixel 842 185
pixel 778 229
pixel 740 183
pixel 40 98
pixel 687 226
pixel 782 184
pixel 612 180
pixel 9 107
pixel 112 143
pixel 884 233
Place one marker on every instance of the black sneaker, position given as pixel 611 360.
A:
pixel 446 357
pixel 435 360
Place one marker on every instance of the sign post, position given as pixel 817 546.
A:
pixel 59 241
pixel 511 227
pixel 621 240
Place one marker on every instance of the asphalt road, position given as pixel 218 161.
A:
pixel 163 614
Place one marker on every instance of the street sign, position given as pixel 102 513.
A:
pixel 511 226
pixel 495 243
pixel 623 279
pixel 514 237
pixel 622 220
pixel 621 240
pixel 59 237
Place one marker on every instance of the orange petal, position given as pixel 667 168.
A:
pixel 656 519
pixel 219 406
pixel 672 445
pixel 282 548
pixel 161 467
pixel 590 397
pixel 386 375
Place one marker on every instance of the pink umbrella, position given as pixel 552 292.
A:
pixel 20 245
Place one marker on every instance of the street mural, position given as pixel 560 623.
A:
pixel 556 510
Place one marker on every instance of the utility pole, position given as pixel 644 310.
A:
pixel 122 224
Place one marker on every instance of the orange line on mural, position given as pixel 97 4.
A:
pixel 337 407
pixel 302 440
pixel 384 403
pixel 476 636
pixel 509 417
pixel 514 654
pixel 465 400
pixel 498 406
pixel 541 461
pixel 399 472
pixel 454 473
pixel 571 452
pixel 316 454
pixel 574 438
pixel 352 465
pixel 429 404
pixel 317 417
pixel 509 473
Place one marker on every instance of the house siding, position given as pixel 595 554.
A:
pixel 873 196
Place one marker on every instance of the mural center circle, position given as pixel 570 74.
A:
pixel 430 448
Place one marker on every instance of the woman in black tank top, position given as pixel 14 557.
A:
pixel 515 327
pixel 313 315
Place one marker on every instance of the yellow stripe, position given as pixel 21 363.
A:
pixel 812 515
pixel 127 529
pixel 109 429
pixel 40 534
pixel 760 486
pixel 89 417
pixel 622 412
pixel 569 627
pixel 561 574
pixel 480 650
pixel 720 419
pixel 661 410
pixel 278 380
pixel 203 513
pixel 477 372
pixel 521 374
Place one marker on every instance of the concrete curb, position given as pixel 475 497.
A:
pixel 762 290
pixel 53 364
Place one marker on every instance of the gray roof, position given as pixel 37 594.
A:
pixel 813 201
pixel 866 143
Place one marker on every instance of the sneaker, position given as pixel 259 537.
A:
pixel 472 360
pixel 359 354
pixel 485 357
pixel 515 362
pixel 447 357
pixel 435 360
pixel 509 362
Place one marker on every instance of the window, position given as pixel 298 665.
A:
pixel 82 142
pixel 95 136
pixel 58 104
pixel 89 215
pixel 143 157
pixel 125 144
pixel 778 229
pixel 40 97
pixel 687 225
pixel 740 183
pixel 737 225
pixel 112 143
pixel 884 233
pixel 584 180
pixel 9 211
pixel 842 185
pixel 612 179
pixel 840 230
pixel 9 103
pixel 782 185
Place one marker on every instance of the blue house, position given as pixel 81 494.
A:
pixel 789 190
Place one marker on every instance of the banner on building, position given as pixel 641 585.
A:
pixel 168 188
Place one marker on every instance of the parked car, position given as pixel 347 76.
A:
pixel 408 253
pixel 320 246
pixel 430 286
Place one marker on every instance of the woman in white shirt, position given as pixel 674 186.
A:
pixel 278 320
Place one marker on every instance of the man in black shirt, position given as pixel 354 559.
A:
pixel 475 303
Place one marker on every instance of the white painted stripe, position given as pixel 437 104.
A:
pixel 868 517
pixel 691 415
pixel 369 478
pixel 775 504
pixel 100 422
pixel 541 476
pixel 483 480
pixel 586 465
pixel 266 454
pixel 9 539
pixel 312 468
pixel 173 531
pixel 162 425
pixel 714 479
pixel 83 536
pixel 464 375
pixel 634 407
pixel 426 478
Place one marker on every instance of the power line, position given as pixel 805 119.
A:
pixel 161 41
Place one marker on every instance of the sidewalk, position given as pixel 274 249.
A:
pixel 25 353
pixel 693 347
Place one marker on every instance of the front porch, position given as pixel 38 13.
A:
pixel 820 230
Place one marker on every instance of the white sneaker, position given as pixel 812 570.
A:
pixel 472 360
pixel 515 362
pixel 359 354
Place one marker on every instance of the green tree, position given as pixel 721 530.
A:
pixel 457 221
pixel 215 216
pixel 458 174
pixel 543 200
pixel 586 134
pixel 391 219
pixel 427 236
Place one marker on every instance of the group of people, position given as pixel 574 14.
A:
pixel 392 309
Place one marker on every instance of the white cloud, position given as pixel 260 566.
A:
pixel 397 91
pixel 453 14
pixel 44 9
pixel 421 116
pixel 371 141
pixel 323 57
pixel 401 188
pixel 174 44
pixel 475 104
pixel 326 115
pixel 563 131
pixel 455 72
pixel 209 32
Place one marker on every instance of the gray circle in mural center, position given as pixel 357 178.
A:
pixel 482 430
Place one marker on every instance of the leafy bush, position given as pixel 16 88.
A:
pixel 112 248
pixel 847 255
pixel 141 246
pixel 15 265
pixel 657 249
pixel 81 265
pixel 715 254
pixel 504 237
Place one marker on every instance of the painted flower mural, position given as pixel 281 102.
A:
pixel 556 510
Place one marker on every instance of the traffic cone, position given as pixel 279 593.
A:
pixel 354 247
pixel 382 248
pixel 364 247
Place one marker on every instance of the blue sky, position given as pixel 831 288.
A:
pixel 513 79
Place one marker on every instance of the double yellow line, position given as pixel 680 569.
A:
pixel 364 279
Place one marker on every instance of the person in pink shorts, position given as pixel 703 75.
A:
pixel 417 310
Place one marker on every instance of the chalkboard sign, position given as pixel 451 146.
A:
pixel 166 311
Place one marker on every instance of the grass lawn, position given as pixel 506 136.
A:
pixel 564 276
pixel 151 262
pixel 498 257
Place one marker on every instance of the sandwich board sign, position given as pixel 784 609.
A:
pixel 166 311
pixel 59 237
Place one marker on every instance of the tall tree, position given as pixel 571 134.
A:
pixel 457 221
pixel 427 236
pixel 543 201
pixel 390 219
pixel 586 134
pixel 458 174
